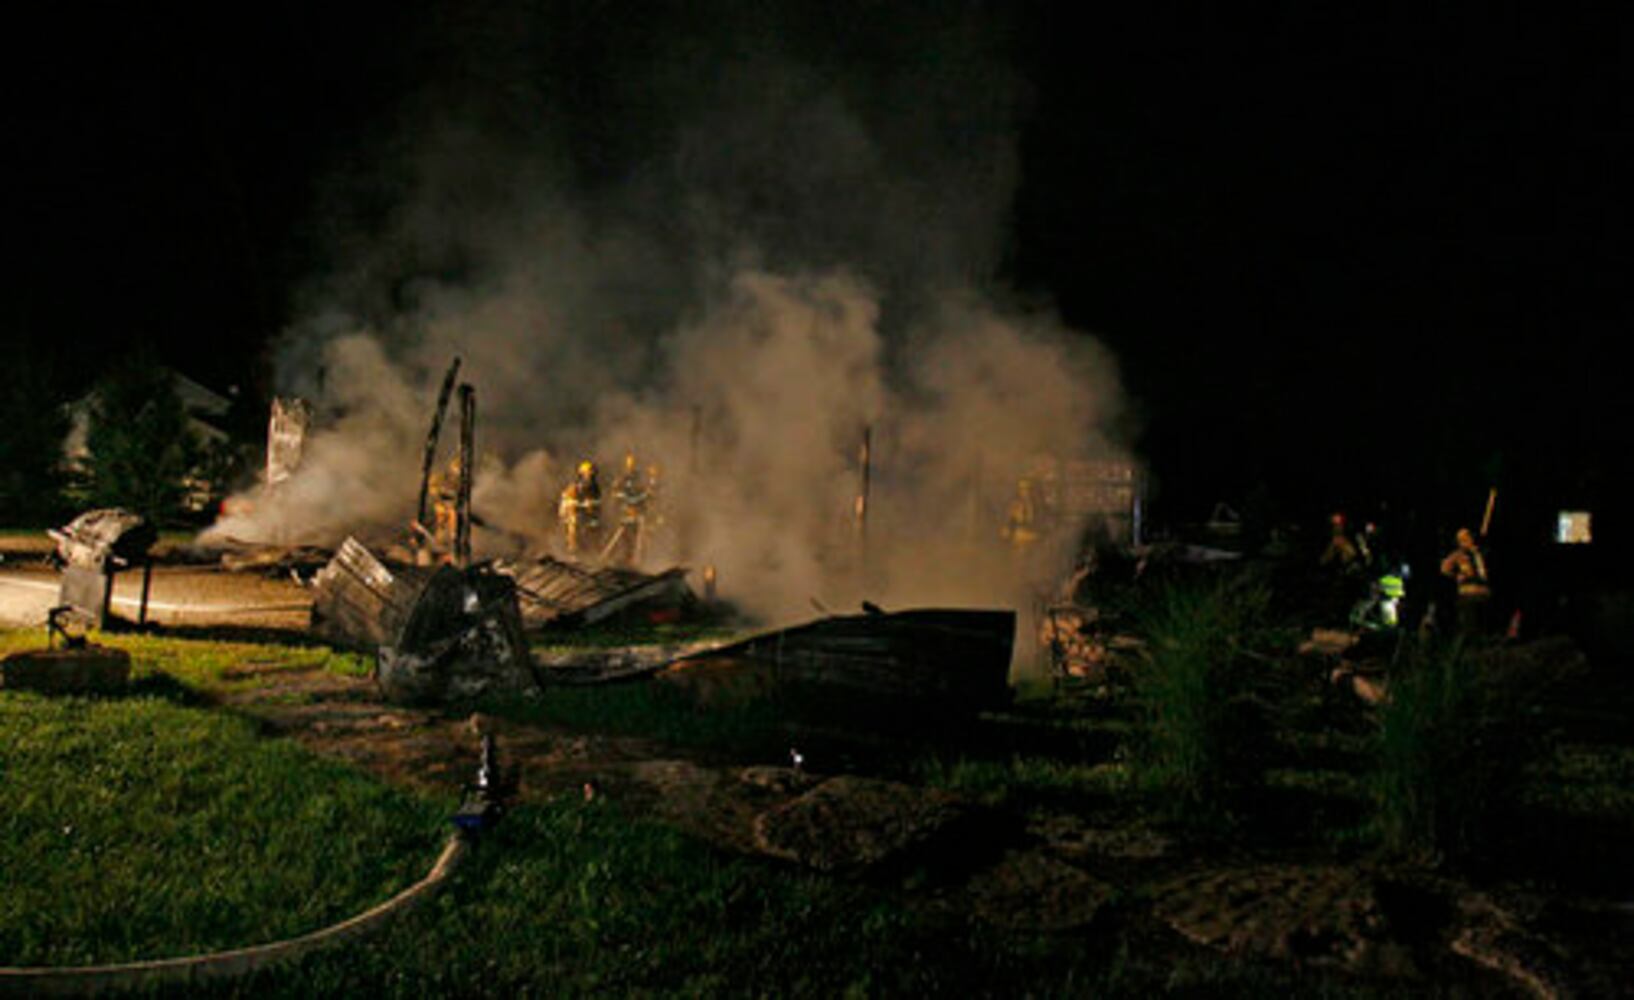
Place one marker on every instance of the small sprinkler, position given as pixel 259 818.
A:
pixel 484 798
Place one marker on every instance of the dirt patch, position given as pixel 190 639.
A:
pixel 1309 914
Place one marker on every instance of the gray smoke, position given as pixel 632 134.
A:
pixel 729 251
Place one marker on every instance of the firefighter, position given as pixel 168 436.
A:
pixel 634 496
pixel 654 510
pixel 1021 518
pixel 444 488
pixel 1466 566
pixel 580 511
pixel 1341 553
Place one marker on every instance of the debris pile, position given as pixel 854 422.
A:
pixel 944 659
pixel 91 549
pixel 462 640
pixel 560 594
pixel 441 634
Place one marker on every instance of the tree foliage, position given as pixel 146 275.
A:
pixel 142 452
pixel 32 428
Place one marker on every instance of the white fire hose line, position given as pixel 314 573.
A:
pixel 198 609
pixel 52 980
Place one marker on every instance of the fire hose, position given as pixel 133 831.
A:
pixel 481 809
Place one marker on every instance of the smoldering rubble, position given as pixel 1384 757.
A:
pixel 805 252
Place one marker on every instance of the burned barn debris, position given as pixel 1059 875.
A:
pixel 559 594
pixel 286 437
pixel 939 659
pixel 91 549
pixel 462 640
pixel 440 634
pixel 360 602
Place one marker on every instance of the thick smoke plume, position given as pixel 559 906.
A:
pixel 731 253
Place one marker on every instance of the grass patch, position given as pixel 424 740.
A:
pixel 1588 780
pixel 577 899
pixel 1023 780
pixel 1448 757
pixel 138 828
pixel 205 665
pixel 1189 751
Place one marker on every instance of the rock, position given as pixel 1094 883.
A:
pixel 1317 914
pixel 1033 891
pixel 849 823
pixel 81 670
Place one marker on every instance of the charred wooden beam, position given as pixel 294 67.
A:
pixel 286 437
pixel 462 508
pixel 360 602
pixel 430 459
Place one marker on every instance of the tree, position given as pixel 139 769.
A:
pixel 32 428
pixel 142 451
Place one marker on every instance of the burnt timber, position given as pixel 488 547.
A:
pixel 951 657
pixel 558 594
pixel 359 602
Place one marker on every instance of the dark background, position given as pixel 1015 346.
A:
pixel 1342 260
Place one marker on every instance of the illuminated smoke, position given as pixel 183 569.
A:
pixel 732 273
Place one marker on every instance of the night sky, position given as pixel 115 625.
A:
pixel 1349 257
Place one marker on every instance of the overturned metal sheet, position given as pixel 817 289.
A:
pixel 557 593
pixel 358 601
pixel 104 539
pixel 950 657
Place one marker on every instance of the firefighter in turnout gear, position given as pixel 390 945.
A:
pixel 580 512
pixel 634 497
pixel 1021 518
pixel 1341 553
pixel 1466 565
pixel 444 488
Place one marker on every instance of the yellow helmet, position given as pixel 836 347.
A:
pixel 629 461
pixel 587 468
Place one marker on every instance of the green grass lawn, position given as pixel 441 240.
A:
pixel 206 666
pixel 139 828
pixel 161 824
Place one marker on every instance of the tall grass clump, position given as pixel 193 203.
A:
pixel 1192 741
pixel 1448 752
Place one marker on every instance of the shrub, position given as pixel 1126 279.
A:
pixel 1188 693
pixel 1449 748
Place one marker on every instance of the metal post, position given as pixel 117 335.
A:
pixel 147 586
pixel 462 515
pixel 105 607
